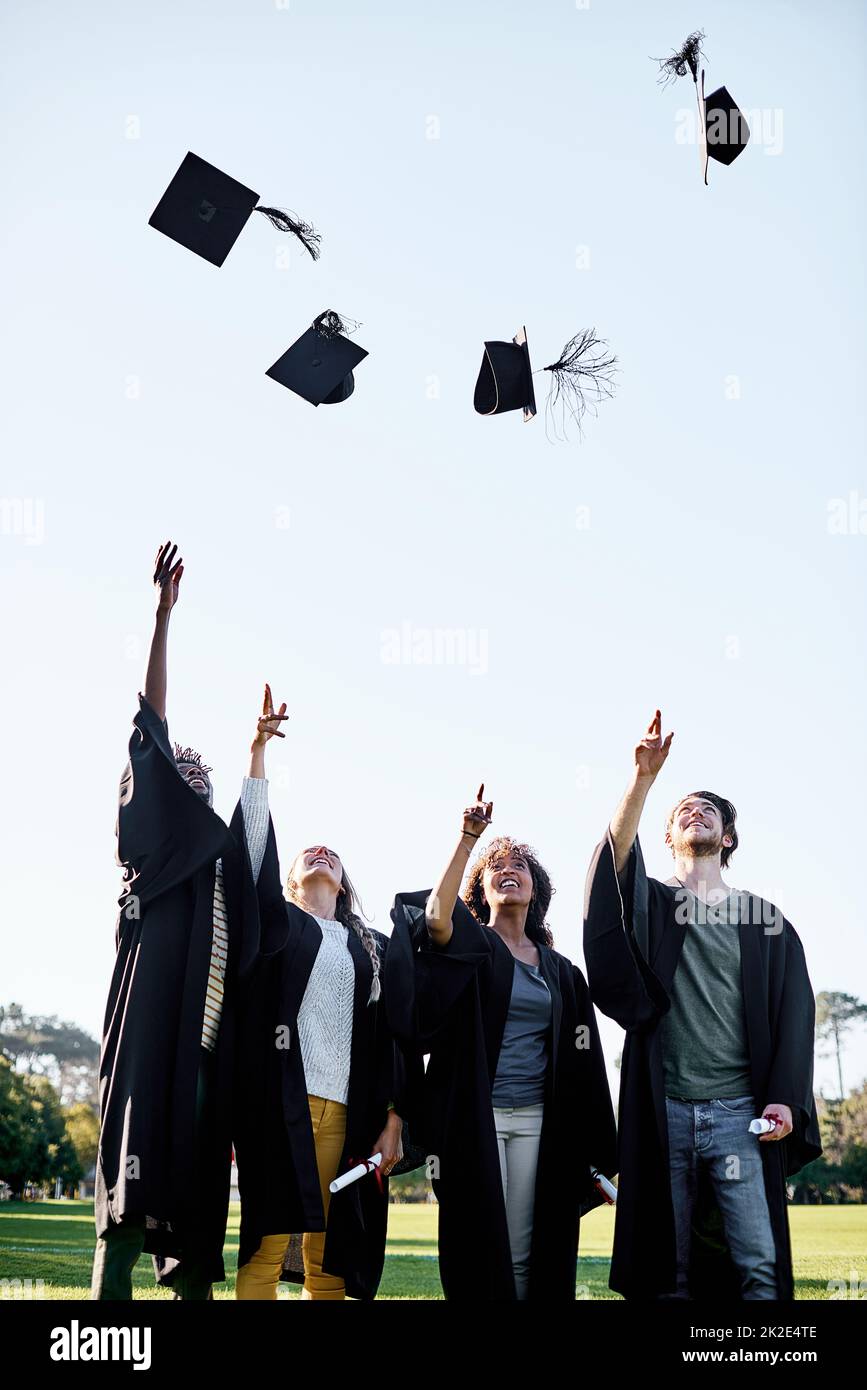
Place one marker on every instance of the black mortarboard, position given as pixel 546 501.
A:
pixel 206 211
pixel 319 365
pixel 580 378
pixel 506 378
pixel 723 129
pixel 726 129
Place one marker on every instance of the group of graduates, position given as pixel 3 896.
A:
pixel 268 1017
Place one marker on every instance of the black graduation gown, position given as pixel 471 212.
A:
pixel 169 841
pixel 274 1145
pixel 632 944
pixel 452 1003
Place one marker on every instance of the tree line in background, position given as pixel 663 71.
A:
pixel 49 1105
pixel 49 1122
pixel 840 1175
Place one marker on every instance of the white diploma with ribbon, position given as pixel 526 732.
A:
pixel 360 1170
pixel 603 1185
pixel 763 1126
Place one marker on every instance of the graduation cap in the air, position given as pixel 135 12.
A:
pixel 505 379
pixel 206 211
pixel 319 365
pixel 722 126
pixel 580 378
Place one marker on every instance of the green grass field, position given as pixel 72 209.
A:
pixel 52 1242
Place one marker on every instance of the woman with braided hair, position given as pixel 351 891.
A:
pixel 195 890
pixel 515 1103
pixel 319 1090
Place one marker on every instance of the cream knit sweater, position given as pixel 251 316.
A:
pixel 325 1016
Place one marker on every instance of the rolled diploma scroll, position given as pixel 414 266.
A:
pixel 359 1171
pixel 608 1190
pixel 763 1126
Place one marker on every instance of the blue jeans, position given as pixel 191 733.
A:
pixel 715 1134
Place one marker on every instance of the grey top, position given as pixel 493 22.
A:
pixel 523 1060
pixel 705 1051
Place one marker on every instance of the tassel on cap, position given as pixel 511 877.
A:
pixel 307 234
pixel 687 59
pixel 582 376
pixel 330 324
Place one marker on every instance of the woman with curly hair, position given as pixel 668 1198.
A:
pixel 319 1089
pixel 515 1104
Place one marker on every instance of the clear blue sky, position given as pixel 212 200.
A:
pixel 137 407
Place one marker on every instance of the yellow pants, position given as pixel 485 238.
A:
pixel 258 1278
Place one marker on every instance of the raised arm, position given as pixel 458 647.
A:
pixel 167 579
pixel 254 792
pixel 441 903
pixel 266 727
pixel 650 754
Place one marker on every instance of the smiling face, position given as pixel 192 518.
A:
pixel 197 779
pixel 696 830
pixel 507 880
pixel 317 864
pixel 507 874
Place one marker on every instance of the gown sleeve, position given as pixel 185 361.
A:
pixel 387 1075
pixel 165 832
pixel 616 934
pixel 790 1080
pixel 396 1077
pixel 424 983
pixel 597 1112
pixel 263 918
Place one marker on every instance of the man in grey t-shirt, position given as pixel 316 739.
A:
pixel 703 1036
pixel 712 988
pixel 706 1065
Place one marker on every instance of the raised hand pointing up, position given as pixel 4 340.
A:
pixel 267 727
pixel 441 903
pixel 652 751
pixel 478 816
pixel 267 724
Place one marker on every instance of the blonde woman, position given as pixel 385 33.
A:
pixel 318 1091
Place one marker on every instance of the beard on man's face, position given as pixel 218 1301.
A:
pixel 705 845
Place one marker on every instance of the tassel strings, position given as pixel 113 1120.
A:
pixel 582 376
pixel 306 233
pixel 686 59
pixel 330 324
